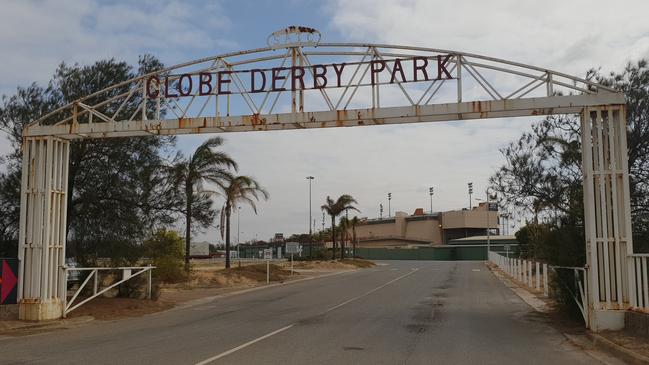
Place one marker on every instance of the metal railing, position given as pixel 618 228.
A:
pixel 127 274
pixel 534 276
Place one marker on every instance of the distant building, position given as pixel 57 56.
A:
pixel 427 229
pixel 199 249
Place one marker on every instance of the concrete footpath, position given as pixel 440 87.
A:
pixel 607 346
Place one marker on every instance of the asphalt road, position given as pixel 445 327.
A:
pixel 403 312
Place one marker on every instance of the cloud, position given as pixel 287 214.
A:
pixel 569 36
pixel 37 35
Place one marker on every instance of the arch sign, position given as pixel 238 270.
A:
pixel 298 82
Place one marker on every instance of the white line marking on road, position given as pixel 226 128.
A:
pixel 371 291
pixel 211 359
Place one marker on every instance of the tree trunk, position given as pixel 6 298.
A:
pixel 188 228
pixel 354 241
pixel 227 236
pixel 333 235
pixel 342 242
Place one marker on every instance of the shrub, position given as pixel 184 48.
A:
pixel 165 249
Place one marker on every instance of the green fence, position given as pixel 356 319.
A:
pixel 440 253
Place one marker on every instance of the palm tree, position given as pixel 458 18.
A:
pixel 205 165
pixel 238 190
pixel 354 222
pixel 344 226
pixel 334 209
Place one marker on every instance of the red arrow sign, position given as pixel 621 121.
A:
pixel 8 281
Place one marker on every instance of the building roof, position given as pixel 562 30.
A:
pixel 483 240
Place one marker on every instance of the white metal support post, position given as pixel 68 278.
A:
pixel 607 215
pixel 43 208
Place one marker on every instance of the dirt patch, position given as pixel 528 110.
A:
pixel 253 273
pixel 346 264
pixel 112 308
pixel 360 263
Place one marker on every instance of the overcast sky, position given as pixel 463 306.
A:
pixel 569 36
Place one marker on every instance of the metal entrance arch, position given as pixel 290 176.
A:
pixel 298 83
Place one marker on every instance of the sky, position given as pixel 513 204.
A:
pixel 368 162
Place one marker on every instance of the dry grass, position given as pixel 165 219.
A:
pixel 346 264
pixel 359 263
pixel 111 308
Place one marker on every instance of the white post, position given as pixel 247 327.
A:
pixel 291 263
pixel 545 280
pixel 148 293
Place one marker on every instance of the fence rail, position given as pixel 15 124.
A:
pixel 127 274
pixel 534 275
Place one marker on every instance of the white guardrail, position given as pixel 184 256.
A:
pixel 531 274
pixel 534 276
pixel 127 273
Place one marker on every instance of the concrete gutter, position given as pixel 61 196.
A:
pixel 622 353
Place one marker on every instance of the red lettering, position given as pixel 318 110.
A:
pixel 204 79
pixel 295 76
pixel 148 87
pixel 441 67
pixel 222 81
pixel 167 88
pixel 276 77
pixel 252 81
pixel 421 68
pixel 397 68
pixel 322 76
pixel 375 71
pixel 339 72
pixel 181 90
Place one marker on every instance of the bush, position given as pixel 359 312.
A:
pixel 166 251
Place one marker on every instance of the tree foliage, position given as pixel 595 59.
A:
pixel 334 208
pixel 238 190
pixel 205 165
pixel 118 190
pixel 542 175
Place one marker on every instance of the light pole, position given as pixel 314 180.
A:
pixel 431 191
pixel 470 185
pixel 238 225
pixel 310 178
pixel 488 203
pixel 389 208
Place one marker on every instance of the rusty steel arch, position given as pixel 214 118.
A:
pixel 297 82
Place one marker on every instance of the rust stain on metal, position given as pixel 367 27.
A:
pixel 182 123
pixel 256 120
pixel 293 28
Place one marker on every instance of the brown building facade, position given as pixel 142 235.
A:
pixel 427 229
